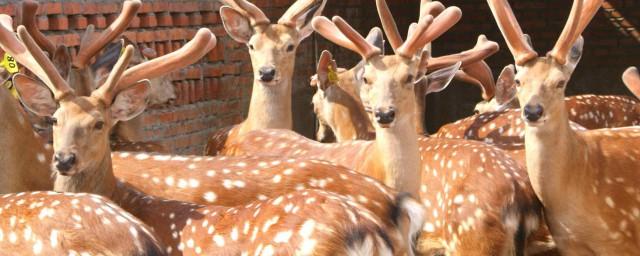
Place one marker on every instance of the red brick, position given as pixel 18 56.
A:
pixel 160 6
pixel 148 20
pixel 43 22
pixel 144 36
pixel 164 19
pixel 98 21
pixel 135 22
pixel 91 8
pixel 195 19
pixel 192 91
pixel 180 19
pixel 200 94
pixel 77 22
pixel 160 35
pixel 110 18
pixel 146 8
pixel 108 7
pixel 51 8
pixel 72 39
pixel 210 18
pixel 72 8
pixel 58 22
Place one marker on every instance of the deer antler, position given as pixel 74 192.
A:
pixel 26 16
pixel 481 72
pixel 589 10
pixel 432 8
pixel 426 32
pixel 253 13
pixel 45 68
pixel 191 52
pixel 564 43
pixel 389 25
pixel 631 79
pixel 89 46
pixel 31 57
pixel 483 49
pixel 511 31
pixel 344 35
pixel 106 92
pixel 298 8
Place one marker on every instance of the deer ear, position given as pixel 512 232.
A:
pixel 631 79
pixel 303 24
pixel 104 64
pixel 506 86
pixel 327 71
pixel 62 61
pixel 376 39
pixel 35 96
pixel 130 102
pixel 440 79
pixel 236 25
pixel 575 53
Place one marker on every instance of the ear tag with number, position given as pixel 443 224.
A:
pixel 10 64
pixel 332 75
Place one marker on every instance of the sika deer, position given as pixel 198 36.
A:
pixel 326 223
pixel 587 180
pixel 272 48
pixel 201 184
pixel 468 218
pixel 49 223
pixel 590 111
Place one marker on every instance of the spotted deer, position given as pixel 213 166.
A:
pixel 272 48
pixel 49 223
pixel 305 222
pixel 218 181
pixel 586 180
pixel 126 135
pixel 464 216
pixel 590 111
pixel 338 105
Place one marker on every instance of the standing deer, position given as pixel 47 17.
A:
pixel 321 223
pixel 272 48
pixel 49 223
pixel 129 134
pixel 459 218
pixel 586 180
pixel 201 184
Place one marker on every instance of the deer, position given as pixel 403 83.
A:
pixel 586 180
pixel 272 48
pixel 127 135
pixel 439 164
pixel 343 112
pixel 184 228
pixel 589 111
pixel 390 210
pixel 50 223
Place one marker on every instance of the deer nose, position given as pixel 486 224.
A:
pixel 533 113
pixel 385 117
pixel 267 74
pixel 64 163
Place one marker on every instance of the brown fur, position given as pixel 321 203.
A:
pixel 48 223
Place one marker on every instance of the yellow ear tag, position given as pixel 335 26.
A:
pixel 332 75
pixel 10 64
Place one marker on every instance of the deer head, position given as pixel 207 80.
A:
pixel 541 81
pixel 81 123
pixel 388 81
pixel 272 47
pixel 163 92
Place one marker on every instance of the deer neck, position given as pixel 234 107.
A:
pixel 396 150
pixel 270 107
pixel 25 156
pixel 100 181
pixel 350 119
pixel 554 155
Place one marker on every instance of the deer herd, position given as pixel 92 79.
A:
pixel 531 173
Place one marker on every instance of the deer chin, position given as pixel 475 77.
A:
pixel 386 126
pixel 536 124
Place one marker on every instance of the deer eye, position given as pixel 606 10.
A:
pixel 290 48
pixel 251 47
pixel 561 84
pixel 517 81
pixel 365 80
pixel 99 125
pixel 51 120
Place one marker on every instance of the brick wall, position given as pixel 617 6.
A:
pixel 215 92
